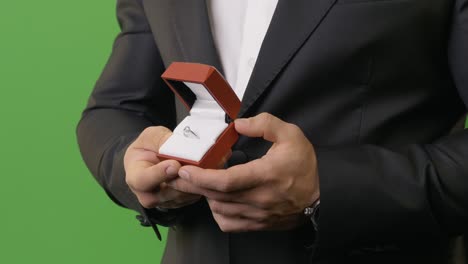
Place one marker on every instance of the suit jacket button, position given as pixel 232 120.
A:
pixel 143 220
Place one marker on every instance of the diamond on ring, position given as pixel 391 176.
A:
pixel 188 132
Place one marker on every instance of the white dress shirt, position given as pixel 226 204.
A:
pixel 238 28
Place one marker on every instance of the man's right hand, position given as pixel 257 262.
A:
pixel 147 176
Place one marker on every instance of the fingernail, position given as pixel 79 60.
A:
pixel 171 171
pixel 184 174
pixel 241 121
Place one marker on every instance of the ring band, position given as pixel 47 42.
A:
pixel 188 131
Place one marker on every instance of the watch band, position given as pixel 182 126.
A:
pixel 312 212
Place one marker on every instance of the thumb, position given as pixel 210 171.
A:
pixel 266 126
pixel 152 138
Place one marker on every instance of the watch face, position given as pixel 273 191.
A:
pixel 308 211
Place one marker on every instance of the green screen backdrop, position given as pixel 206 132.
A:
pixel 52 210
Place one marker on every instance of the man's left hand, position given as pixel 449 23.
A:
pixel 263 194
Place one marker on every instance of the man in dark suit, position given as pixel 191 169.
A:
pixel 361 97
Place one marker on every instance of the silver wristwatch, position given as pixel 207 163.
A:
pixel 312 212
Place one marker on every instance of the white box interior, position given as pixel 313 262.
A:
pixel 206 119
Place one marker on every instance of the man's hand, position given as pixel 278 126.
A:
pixel 267 193
pixel 147 177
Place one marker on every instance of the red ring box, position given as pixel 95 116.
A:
pixel 213 106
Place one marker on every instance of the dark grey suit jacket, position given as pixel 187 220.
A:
pixel 376 85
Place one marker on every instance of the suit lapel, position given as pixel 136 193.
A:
pixel 191 25
pixel 292 24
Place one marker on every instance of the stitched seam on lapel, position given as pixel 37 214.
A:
pixel 177 36
pixel 366 90
pixel 281 66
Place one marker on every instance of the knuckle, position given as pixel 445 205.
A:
pixel 154 133
pixel 127 158
pixel 130 180
pixel 266 118
pixel 135 180
pixel 226 186
pixel 148 202
pixel 252 227
pixel 264 216
pixel 248 227
pixel 259 226
pixel 265 201
pixel 216 207
pixel 222 224
pixel 293 127
pixel 154 130
pixel 182 188
pixel 227 228
pixel 296 131
pixel 268 169
pixel 228 182
pixel 293 130
pixel 264 115
pixel 224 228
pixel 147 132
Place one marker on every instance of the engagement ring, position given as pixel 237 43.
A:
pixel 189 132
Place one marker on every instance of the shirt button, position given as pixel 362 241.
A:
pixel 251 62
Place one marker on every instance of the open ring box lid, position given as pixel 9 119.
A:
pixel 207 134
